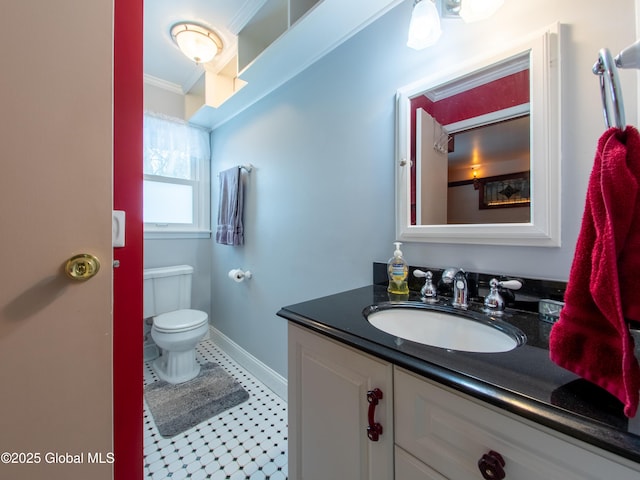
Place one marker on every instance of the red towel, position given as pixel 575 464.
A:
pixel 592 338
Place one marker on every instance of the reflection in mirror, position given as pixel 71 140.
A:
pixel 478 150
pixel 468 137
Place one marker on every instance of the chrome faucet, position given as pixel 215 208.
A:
pixel 458 277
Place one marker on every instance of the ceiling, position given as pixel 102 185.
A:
pixel 164 64
pixel 306 41
pixel 494 143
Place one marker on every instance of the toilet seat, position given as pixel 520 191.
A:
pixel 179 321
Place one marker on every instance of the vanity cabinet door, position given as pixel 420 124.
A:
pixel 329 411
pixel 451 433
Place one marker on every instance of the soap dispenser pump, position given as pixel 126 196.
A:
pixel 398 271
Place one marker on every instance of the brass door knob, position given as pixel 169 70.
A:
pixel 82 267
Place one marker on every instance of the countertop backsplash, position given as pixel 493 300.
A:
pixel 526 298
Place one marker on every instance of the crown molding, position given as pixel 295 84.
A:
pixel 510 67
pixel 160 83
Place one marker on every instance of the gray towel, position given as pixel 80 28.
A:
pixel 230 230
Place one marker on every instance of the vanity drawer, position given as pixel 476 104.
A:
pixel 450 433
pixel 408 467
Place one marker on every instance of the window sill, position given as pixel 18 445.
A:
pixel 176 234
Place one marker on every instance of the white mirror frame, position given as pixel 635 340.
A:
pixel 544 228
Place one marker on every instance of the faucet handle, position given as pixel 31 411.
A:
pixel 428 293
pixel 419 273
pixel 508 287
pixel 493 302
pixel 509 284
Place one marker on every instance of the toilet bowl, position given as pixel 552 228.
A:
pixel 177 333
pixel 176 329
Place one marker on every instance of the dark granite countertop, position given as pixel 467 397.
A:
pixel 523 381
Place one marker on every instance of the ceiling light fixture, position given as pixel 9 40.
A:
pixel 198 43
pixel 424 28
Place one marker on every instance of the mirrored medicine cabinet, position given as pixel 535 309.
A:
pixel 478 150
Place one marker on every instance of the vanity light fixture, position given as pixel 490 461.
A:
pixel 198 43
pixel 476 180
pixel 475 10
pixel 424 27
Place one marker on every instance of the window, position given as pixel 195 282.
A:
pixel 176 178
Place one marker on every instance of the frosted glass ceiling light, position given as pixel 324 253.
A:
pixel 474 10
pixel 196 42
pixel 424 28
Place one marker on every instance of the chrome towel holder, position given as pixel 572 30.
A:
pixel 607 69
pixel 247 168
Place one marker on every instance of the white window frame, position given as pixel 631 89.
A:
pixel 201 187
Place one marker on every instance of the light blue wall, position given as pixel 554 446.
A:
pixel 318 207
pixel 320 201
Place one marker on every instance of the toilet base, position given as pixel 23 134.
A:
pixel 150 351
pixel 176 367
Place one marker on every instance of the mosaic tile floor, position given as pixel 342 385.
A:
pixel 247 442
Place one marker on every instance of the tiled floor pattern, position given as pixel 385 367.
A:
pixel 247 442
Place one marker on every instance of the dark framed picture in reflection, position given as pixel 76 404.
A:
pixel 505 191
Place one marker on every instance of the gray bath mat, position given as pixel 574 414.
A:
pixel 176 408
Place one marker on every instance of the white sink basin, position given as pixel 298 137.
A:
pixel 445 330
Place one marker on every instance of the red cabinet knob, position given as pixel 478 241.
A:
pixel 491 466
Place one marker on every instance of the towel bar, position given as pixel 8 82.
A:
pixel 607 69
pixel 248 168
pixel 612 103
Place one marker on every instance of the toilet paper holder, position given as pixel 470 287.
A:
pixel 238 275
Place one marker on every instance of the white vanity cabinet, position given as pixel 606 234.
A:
pixel 329 411
pixel 439 433
pixel 444 434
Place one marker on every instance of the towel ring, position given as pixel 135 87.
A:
pixel 612 102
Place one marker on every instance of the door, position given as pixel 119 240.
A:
pixel 431 171
pixel 56 145
pixel 329 411
pixel 127 278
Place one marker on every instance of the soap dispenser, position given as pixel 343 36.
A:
pixel 398 271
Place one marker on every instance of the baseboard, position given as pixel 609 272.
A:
pixel 272 379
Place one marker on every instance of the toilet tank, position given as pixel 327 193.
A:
pixel 166 289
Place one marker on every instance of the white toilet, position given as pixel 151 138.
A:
pixel 176 328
